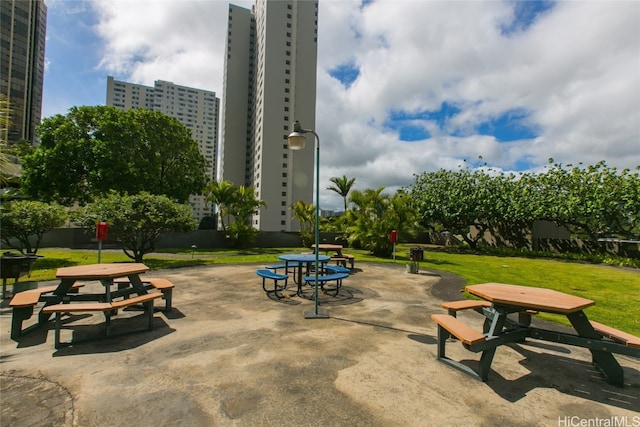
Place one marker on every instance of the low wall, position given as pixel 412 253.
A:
pixel 80 238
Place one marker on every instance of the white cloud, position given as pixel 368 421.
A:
pixel 178 41
pixel 575 72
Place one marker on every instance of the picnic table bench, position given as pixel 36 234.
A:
pixel 323 279
pixel 105 307
pixel 276 277
pixel 23 303
pixel 163 285
pixel 342 259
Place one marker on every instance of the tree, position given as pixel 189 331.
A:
pixel 237 204
pixel 5 119
pixel 373 217
pixel 342 186
pixel 24 219
pixel 306 215
pixel 94 150
pixel 137 221
pixel 594 201
pixel 222 194
pixel 457 200
pixel 244 205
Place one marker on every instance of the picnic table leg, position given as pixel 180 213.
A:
pixel 137 284
pixel 604 361
pixel 492 328
pixel 18 316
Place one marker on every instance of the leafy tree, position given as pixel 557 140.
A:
pixel 244 205
pixel 222 194
pixel 594 201
pixel 24 219
pixel 5 119
pixel 342 186
pixel 94 150
pixel 237 204
pixel 137 221
pixel 457 200
pixel 373 217
pixel 305 213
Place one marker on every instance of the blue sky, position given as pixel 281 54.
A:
pixel 404 86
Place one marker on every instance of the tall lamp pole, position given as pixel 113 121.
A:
pixel 296 141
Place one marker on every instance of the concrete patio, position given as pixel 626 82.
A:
pixel 228 355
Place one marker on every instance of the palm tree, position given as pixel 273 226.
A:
pixel 222 194
pixel 306 215
pixel 245 204
pixel 342 186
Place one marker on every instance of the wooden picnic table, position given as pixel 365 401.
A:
pixel 23 303
pixel 506 299
pixel 328 247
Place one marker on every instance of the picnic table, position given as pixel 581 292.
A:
pixel 328 247
pixel 499 329
pixel 300 261
pixel 23 303
pixel 337 256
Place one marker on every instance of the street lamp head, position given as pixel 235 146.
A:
pixel 296 138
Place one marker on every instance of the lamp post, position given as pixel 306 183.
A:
pixel 296 141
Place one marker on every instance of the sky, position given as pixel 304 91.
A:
pixel 403 86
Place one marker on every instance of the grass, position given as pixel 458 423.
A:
pixel 615 290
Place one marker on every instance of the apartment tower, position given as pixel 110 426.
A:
pixel 269 82
pixel 23 27
pixel 197 109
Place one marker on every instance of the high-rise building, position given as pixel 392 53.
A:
pixel 23 28
pixel 197 109
pixel 269 82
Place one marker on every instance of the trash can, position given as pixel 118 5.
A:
pixel 416 254
pixel 13 266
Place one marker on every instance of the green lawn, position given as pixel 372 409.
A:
pixel 616 291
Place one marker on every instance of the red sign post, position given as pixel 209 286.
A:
pixel 102 230
pixel 394 238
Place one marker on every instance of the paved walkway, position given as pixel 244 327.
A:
pixel 230 356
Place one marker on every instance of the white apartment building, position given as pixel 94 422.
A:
pixel 197 109
pixel 269 82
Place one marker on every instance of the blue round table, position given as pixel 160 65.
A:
pixel 297 261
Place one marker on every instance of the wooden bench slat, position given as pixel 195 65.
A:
pixel 616 335
pixel 25 298
pixel 32 296
pixel 465 304
pixel 458 328
pixel 77 307
pixel 160 283
pixel 135 300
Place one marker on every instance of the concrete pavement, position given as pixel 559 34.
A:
pixel 228 355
